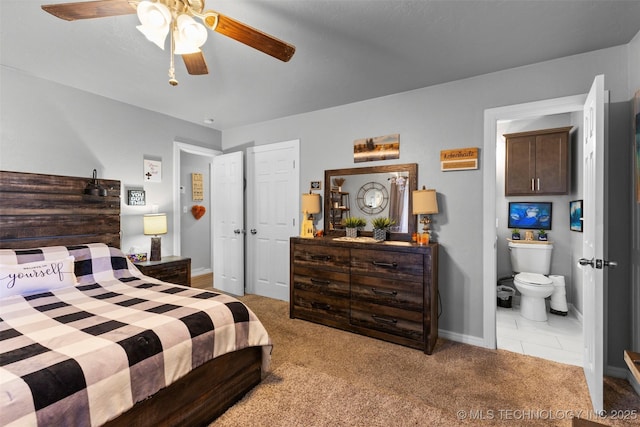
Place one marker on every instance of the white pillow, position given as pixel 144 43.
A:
pixel 37 276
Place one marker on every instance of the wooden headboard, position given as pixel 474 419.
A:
pixel 49 210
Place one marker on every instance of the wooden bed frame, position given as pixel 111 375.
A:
pixel 48 210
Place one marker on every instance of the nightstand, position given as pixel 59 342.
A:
pixel 172 269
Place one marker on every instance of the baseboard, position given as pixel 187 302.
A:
pixel 616 372
pixel 201 271
pixel 463 338
pixel 575 311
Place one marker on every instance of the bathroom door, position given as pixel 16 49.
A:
pixel 592 241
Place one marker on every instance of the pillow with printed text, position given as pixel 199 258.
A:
pixel 38 276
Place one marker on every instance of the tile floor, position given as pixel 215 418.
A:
pixel 558 339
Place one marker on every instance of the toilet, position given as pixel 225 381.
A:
pixel 531 263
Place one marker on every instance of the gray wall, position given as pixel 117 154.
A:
pixel 54 129
pixel 444 117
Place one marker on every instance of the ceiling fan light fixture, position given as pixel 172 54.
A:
pixel 155 19
pixel 189 35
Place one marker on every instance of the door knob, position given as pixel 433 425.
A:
pixel 584 261
pixel 598 263
pixel 254 231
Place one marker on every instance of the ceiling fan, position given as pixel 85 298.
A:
pixel 159 18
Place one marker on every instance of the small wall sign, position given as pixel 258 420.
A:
pixel 197 187
pixel 152 170
pixel 315 185
pixel 459 159
pixel 136 197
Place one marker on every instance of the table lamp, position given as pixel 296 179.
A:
pixel 310 206
pixel 155 224
pixel 425 203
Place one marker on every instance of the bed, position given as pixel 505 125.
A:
pixel 86 339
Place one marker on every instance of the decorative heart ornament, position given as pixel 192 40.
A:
pixel 198 211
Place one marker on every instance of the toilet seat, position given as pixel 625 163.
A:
pixel 533 279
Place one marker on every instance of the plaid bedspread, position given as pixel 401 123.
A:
pixel 83 355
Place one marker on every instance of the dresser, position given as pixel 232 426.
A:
pixel 386 290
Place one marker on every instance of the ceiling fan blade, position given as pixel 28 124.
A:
pixel 90 9
pixel 195 63
pixel 252 37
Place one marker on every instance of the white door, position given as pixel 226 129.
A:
pixel 592 260
pixel 272 216
pixel 228 219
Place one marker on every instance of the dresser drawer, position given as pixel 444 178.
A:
pixel 327 309
pixel 321 281
pixel 319 256
pixel 392 320
pixel 403 294
pixel 391 264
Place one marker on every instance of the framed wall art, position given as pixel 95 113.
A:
pixel 530 215
pixel 136 198
pixel 377 148
pixel 575 215
pixel 152 170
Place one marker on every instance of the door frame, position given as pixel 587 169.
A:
pixel 178 149
pixel 567 104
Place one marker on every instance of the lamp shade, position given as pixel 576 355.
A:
pixel 155 19
pixel 425 202
pixel 311 203
pixel 155 224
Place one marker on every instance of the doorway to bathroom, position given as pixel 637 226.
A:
pixel 559 338
pixel 517 334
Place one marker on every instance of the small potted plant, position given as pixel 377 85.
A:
pixel 353 224
pixel 542 235
pixel 515 234
pixel 380 227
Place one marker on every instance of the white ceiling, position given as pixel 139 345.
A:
pixel 346 51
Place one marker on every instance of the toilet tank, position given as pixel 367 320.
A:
pixel 530 257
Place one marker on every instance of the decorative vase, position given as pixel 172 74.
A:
pixel 515 236
pixel 543 238
pixel 379 234
pixel 352 231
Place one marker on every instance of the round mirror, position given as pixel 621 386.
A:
pixel 372 198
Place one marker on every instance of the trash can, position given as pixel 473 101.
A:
pixel 505 296
pixel 558 304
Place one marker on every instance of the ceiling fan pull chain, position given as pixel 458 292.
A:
pixel 172 63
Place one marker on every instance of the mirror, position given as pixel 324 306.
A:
pixel 370 192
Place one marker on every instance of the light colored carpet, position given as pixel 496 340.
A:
pixel 316 368
pixel 297 396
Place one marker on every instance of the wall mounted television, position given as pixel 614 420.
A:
pixel 530 215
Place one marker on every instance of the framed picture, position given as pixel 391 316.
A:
pixel 575 215
pixel 136 197
pixel 378 148
pixel 152 170
pixel 315 185
pixel 530 215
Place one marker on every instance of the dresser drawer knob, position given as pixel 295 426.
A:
pixel 384 320
pixel 385 264
pixel 320 281
pixel 321 305
pixel 379 292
